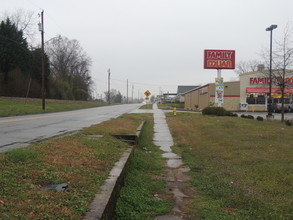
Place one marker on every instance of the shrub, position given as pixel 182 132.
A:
pixel 243 116
pixel 288 123
pixel 231 114
pixel 219 111
pixel 228 113
pixel 259 118
pixel 250 117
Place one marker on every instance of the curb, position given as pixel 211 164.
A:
pixel 104 203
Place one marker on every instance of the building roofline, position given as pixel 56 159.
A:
pixel 200 87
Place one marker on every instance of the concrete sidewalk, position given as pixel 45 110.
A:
pixel 177 181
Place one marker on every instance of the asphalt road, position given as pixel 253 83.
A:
pixel 20 131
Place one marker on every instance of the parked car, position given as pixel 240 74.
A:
pixel 277 107
pixel 290 106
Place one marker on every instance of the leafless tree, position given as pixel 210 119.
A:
pixel 115 96
pixel 247 66
pixel 68 61
pixel 282 63
pixel 26 21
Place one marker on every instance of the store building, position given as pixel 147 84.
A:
pixel 204 96
pixel 250 93
pixel 254 90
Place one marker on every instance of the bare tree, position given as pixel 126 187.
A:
pixel 247 66
pixel 70 63
pixel 282 62
pixel 115 96
pixel 25 21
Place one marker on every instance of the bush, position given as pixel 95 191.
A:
pixel 259 118
pixel 250 117
pixel 243 116
pixel 228 113
pixel 219 111
pixel 288 123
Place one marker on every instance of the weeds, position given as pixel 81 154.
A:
pixel 21 155
pixel 80 162
pixel 240 168
pixel 137 199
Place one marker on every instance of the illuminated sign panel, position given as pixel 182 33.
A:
pixel 219 59
pixel 265 80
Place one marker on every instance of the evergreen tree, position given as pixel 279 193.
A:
pixel 14 50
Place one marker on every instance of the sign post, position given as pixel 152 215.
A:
pixel 147 94
pixel 219 92
pixel 219 59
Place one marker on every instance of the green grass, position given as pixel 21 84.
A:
pixel 240 168
pixel 147 106
pixel 137 199
pixel 170 106
pixel 19 106
pixel 82 162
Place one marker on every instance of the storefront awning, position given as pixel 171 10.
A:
pixel 266 90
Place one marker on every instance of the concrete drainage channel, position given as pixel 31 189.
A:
pixel 103 205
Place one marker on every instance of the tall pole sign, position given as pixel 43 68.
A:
pixel 219 59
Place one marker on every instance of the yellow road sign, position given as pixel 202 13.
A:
pixel 147 93
pixel 147 98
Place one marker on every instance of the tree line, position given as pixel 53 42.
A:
pixel 67 66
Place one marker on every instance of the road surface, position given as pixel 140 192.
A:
pixel 20 131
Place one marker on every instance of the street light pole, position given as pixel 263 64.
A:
pixel 271 28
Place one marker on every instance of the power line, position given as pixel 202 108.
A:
pixel 145 84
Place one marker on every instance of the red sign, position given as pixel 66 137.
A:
pixel 219 59
pixel 264 80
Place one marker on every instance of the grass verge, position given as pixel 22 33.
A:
pixel 170 106
pixel 137 200
pixel 21 106
pixel 147 106
pixel 242 169
pixel 81 162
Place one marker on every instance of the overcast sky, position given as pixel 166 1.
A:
pixel 158 44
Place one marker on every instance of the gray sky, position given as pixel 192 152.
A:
pixel 159 44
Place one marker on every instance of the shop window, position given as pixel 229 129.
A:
pixel 259 99
pixel 250 99
pixel 286 100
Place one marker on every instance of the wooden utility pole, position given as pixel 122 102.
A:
pixel 127 92
pixel 109 98
pixel 43 60
pixel 132 93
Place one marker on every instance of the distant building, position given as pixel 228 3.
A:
pixel 204 96
pixel 169 97
pixel 182 90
